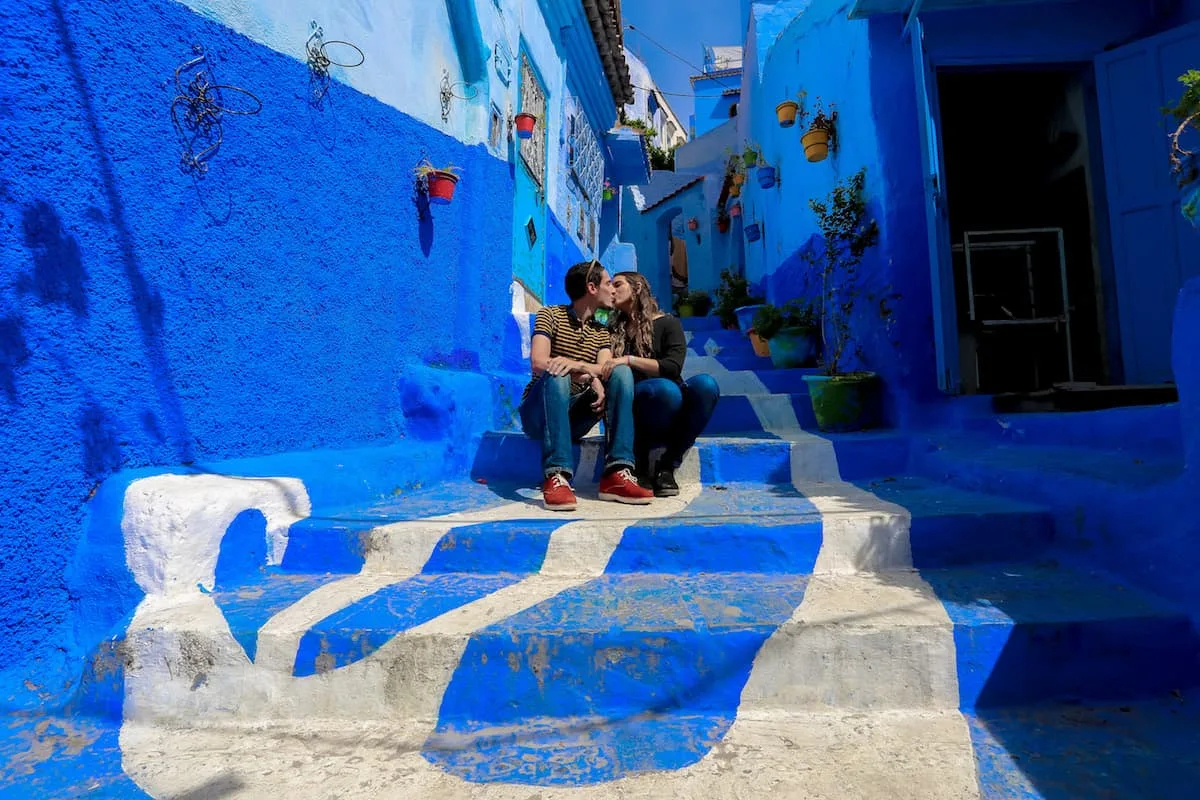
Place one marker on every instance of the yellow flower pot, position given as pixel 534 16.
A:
pixel 738 179
pixel 735 190
pixel 816 144
pixel 786 113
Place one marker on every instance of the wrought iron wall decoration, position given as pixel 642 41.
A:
pixel 447 93
pixel 502 61
pixel 533 101
pixel 198 109
pixel 319 61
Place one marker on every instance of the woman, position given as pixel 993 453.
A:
pixel 667 411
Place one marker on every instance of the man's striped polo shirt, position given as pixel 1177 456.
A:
pixel 570 338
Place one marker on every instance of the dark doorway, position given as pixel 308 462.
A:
pixel 1020 201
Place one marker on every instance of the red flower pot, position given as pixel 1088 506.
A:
pixel 525 123
pixel 735 210
pixel 441 187
pixel 723 225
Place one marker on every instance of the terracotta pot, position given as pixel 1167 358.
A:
pixel 525 123
pixel 762 348
pixel 786 113
pixel 816 144
pixel 441 187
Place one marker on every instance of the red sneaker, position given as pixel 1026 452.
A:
pixel 557 494
pixel 621 486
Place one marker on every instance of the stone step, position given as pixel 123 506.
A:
pixel 480 654
pixel 814 756
pixel 705 324
pixel 753 378
pixel 736 413
pixel 734 527
pixel 770 457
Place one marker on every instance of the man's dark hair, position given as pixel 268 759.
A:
pixel 580 275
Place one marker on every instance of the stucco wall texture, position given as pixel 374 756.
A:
pixel 149 317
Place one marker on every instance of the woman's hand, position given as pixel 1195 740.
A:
pixel 612 364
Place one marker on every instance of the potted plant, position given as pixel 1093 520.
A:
pixel 790 331
pixel 787 111
pixel 735 190
pixel 735 210
pixel 525 123
pixel 821 135
pixel 750 156
pixel 693 224
pixel 841 400
pixel 608 193
pixel 695 304
pixel 733 298
pixel 1185 163
pixel 766 176
pixel 439 184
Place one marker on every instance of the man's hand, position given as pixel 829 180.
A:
pixel 561 365
pixel 598 403
pixel 612 364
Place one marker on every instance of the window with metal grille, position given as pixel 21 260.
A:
pixel 533 101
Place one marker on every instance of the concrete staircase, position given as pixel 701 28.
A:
pixel 808 619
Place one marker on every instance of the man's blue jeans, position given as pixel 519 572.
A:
pixel 552 414
pixel 672 416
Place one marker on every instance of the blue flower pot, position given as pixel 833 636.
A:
pixel 745 316
pixel 793 347
pixel 766 177
pixel 753 232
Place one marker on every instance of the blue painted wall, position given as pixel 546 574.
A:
pixel 712 107
pixel 878 130
pixel 150 318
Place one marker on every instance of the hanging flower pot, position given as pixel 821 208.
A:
pixel 723 224
pixel 786 113
pixel 525 123
pixel 738 179
pixel 439 184
pixel 750 158
pixel 816 144
pixel 693 224
pixel 735 210
pixel 766 177
pixel 441 187
pixel 753 232
pixel 735 191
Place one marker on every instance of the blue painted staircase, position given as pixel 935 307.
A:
pixel 842 616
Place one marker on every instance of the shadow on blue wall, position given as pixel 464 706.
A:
pixel 146 300
pixel 14 352
pixel 58 273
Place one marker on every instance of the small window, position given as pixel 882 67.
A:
pixel 732 110
pixel 531 232
pixel 496 131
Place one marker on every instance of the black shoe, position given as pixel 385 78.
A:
pixel 664 484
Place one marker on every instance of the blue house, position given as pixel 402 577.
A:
pixel 1016 162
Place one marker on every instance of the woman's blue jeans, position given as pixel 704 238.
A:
pixel 672 416
pixel 551 413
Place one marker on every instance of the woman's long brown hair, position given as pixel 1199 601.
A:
pixel 633 333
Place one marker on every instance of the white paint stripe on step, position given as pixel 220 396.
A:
pixel 730 381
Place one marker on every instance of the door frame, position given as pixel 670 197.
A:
pixel 947 343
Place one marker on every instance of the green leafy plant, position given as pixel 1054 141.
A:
pixel 700 302
pixel 732 294
pixel 796 313
pixel 847 233
pixel 660 159
pixel 426 168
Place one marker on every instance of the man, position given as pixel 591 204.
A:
pixel 567 395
